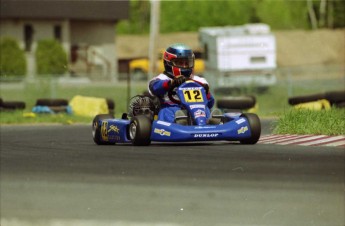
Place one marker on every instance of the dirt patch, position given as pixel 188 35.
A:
pixel 294 48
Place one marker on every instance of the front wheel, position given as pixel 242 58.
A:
pixel 96 128
pixel 255 128
pixel 140 130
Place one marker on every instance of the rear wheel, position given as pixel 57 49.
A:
pixel 255 128
pixel 96 128
pixel 140 130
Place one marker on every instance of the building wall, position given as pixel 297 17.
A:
pixel 41 30
pixel 98 37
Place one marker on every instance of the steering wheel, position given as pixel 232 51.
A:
pixel 171 94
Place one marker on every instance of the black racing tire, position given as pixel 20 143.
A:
pixel 51 102
pixel 1 102
pixel 111 106
pixel 340 105
pixel 140 130
pixel 255 128
pixel 307 98
pixel 335 97
pixel 240 102
pixel 13 105
pixel 96 128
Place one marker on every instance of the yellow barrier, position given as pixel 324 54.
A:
pixel 88 106
pixel 322 104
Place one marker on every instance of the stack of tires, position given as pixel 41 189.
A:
pixel 48 105
pixel 319 101
pixel 11 105
pixel 236 103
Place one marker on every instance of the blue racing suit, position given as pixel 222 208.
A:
pixel 159 86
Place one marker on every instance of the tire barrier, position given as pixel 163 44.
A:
pixel 238 102
pixel 335 97
pixel 51 102
pixel 318 101
pixel 59 105
pixel 12 105
pixel 307 98
pixel 322 104
pixel 52 106
pixel 340 105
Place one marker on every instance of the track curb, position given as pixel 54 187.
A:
pixel 304 140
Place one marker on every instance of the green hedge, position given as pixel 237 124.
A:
pixel 51 58
pixel 12 58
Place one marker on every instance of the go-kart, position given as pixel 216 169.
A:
pixel 139 126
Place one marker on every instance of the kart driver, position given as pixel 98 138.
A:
pixel 178 62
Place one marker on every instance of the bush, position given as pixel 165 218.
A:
pixel 51 59
pixel 12 58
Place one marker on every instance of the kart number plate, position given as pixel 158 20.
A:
pixel 192 96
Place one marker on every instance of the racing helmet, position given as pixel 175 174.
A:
pixel 178 60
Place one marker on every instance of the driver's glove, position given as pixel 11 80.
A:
pixel 206 87
pixel 178 80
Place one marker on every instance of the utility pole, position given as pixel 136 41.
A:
pixel 154 31
pixel 312 15
pixel 322 21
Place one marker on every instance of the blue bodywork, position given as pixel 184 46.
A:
pixel 193 99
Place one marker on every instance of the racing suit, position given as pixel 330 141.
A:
pixel 160 85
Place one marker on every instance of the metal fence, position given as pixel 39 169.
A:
pixel 312 79
pixel 292 80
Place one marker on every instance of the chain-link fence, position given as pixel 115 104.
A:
pixel 312 79
pixel 291 81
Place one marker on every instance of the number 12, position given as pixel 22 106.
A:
pixel 193 96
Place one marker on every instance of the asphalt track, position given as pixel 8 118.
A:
pixel 56 175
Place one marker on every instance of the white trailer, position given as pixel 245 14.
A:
pixel 239 56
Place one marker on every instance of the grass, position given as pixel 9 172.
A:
pixel 22 117
pixel 326 122
pixel 29 93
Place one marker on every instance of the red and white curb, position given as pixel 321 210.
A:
pixel 305 140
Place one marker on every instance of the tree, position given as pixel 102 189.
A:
pixel 12 58
pixel 51 59
pixel 190 15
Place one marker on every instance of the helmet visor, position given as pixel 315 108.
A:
pixel 183 62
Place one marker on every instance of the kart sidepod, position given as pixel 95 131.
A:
pixel 140 130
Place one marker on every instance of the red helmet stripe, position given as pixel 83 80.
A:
pixel 176 71
pixel 169 56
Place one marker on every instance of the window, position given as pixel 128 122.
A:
pixel 206 52
pixel 58 32
pixel 258 59
pixel 28 36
